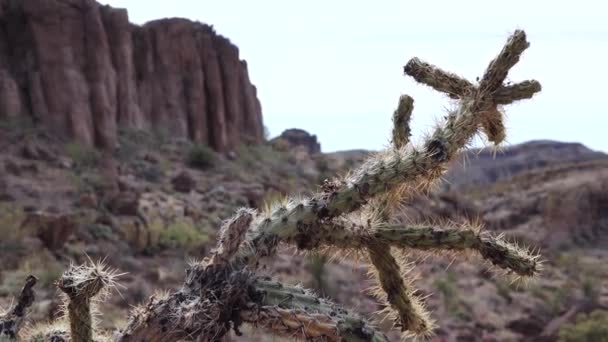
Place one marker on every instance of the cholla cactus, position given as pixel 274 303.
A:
pixel 354 212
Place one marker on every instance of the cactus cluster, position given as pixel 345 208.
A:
pixel 350 213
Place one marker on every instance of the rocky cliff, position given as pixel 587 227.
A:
pixel 85 71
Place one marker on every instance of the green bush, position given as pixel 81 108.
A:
pixel 177 234
pixel 201 157
pixel 83 156
pixel 449 289
pixel 592 328
pixel 152 173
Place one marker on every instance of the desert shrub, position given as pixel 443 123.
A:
pixel 587 328
pixel 281 145
pixel 201 157
pixel 18 123
pixel 11 217
pixel 132 141
pixel 43 264
pixel 179 233
pixel 101 231
pixel 152 173
pixel 448 287
pixel 84 157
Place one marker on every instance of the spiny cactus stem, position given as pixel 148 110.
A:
pixel 231 235
pixel 515 92
pixel 81 284
pixel 499 67
pixel 12 321
pixel 401 121
pixel 81 320
pixel 345 234
pixel 409 312
pixel 443 81
pixel 494 249
pixel 412 315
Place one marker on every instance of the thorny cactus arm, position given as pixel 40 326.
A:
pixel 347 234
pixel 393 167
pixel 81 283
pixel 231 235
pixel 401 121
pixel 515 92
pixel 12 321
pixel 392 289
pixel 84 286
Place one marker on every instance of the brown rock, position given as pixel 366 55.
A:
pixel 84 71
pixel 53 229
pixel 298 137
pixel 183 182
pixel 124 203
pixel 36 151
pixel 88 200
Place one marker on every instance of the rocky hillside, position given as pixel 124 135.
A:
pixel 482 167
pixel 155 202
pixel 85 71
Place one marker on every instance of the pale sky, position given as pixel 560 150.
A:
pixel 334 68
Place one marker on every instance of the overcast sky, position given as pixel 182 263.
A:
pixel 334 68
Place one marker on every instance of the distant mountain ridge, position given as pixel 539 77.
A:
pixel 477 167
pixel 480 167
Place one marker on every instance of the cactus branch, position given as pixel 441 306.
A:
pixel 407 309
pixel 412 315
pixel 499 67
pixel 453 85
pixel 12 321
pixel 299 313
pixel 515 92
pixel 349 235
pixel 81 284
pixel 231 235
pixel 215 298
pixel 401 121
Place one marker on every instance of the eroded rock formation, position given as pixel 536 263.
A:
pixel 85 71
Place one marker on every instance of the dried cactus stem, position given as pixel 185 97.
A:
pixel 493 126
pixel 298 313
pixel 216 298
pixel 12 321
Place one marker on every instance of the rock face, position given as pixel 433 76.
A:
pixel 85 71
pixel 299 137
